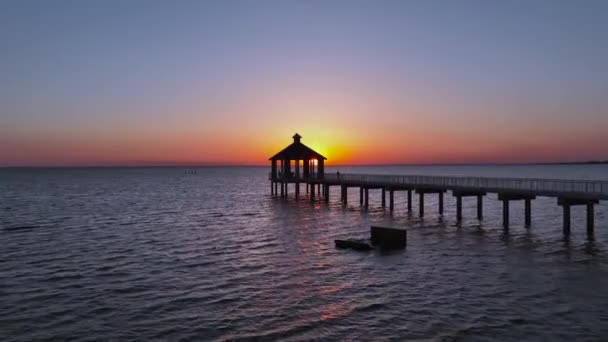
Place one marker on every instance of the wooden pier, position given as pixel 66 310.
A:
pixel 568 192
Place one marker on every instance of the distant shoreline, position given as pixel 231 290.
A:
pixel 177 165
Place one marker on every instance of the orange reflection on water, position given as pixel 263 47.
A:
pixel 335 310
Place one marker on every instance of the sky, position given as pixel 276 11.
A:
pixel 104 82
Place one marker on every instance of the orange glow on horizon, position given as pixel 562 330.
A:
pixel 339 149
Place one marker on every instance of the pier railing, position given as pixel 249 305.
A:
pixel 548 187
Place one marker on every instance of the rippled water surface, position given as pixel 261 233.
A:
pixel 160 253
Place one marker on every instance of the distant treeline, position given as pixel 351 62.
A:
pixel 583 162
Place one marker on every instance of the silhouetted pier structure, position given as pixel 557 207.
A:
pixel 568 192
pixel 285 168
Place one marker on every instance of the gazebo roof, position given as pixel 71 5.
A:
pixel 297 151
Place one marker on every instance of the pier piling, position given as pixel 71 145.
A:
pixel 568 192
pixel 458 208
pixel 528 213
pixel 421 204
pixel 515 196
pixel 423 191
pixel 567 202
pixel 590 218
pixel 566 226
pixel 505 214
pixel 409 201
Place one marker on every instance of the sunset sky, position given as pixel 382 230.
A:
pixel 364 82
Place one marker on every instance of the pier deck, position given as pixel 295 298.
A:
pixel 568 192
pixel 581 189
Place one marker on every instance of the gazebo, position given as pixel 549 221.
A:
pixel 289 169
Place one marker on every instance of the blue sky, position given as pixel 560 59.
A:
pixel 128 73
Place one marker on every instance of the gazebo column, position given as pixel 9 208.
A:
pixel 287 168
pixel 297 174
pixel 280 177
pixel 306 168
pixel 321 168
pixel 273 176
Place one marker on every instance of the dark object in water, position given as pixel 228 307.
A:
pixel 388 237
pixel 359 245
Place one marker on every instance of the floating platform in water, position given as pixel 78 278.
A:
pixel 359 245
pixel 381 236
pixel 388 237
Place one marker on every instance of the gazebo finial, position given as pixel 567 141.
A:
pixel 296 138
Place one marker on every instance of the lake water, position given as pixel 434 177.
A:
pixel 163 254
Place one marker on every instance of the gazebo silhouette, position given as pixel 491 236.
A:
pixel 313 166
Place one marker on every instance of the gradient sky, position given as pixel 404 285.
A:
pixel 144 82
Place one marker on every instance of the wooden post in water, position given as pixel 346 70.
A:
pixel 505 213
pixel 479 207
pixel 567 202
pixel 383 198
pixel 590 218
pixel 409 201
pixel 528 211
pixel 361 196
pixel 345 194
pixel 566 208
pixel 440 203
pixel 421 200
pixel 391 199
pixel 366 198
pixel 459 208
